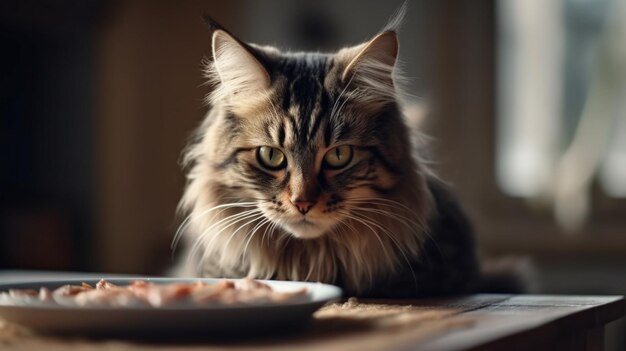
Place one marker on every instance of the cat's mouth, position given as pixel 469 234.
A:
pixel 305 229
pixel 304 222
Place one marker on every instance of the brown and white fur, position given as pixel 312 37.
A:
pixel 382 225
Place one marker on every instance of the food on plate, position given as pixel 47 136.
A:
pixel 141 293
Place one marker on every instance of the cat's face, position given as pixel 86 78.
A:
pixel 310 138
pixel 307 177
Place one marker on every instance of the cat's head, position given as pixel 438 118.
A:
pixel 309 137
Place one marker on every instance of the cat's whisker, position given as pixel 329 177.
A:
pixel 407 222
pixel 288 237
pixel 256 218
pixel 348 225
pixel 359 259
pixel 194 215
pixel 352 94
pixel 201 239
pixel 208 247
pixel 394 240
pixel 395 204
pixel 392 204
pixel 274 228
pixel 254 230
pixel 349 215
pixel 386 253
pixel 419 226
pixel 352 229
pixel 332 112
pixel 274 108
pixel 356 212
pixel 228 219
pixel 381 200
pixel 378 238
pixel 200 216
pixel 265 232
pixel 225 223
pixel 271 230
pixel 257 200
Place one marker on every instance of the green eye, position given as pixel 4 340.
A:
pixel 271 158
pixel 338 157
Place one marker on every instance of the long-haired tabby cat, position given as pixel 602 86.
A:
pixel 305 169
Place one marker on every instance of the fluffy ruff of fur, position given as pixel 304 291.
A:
pixel 231 239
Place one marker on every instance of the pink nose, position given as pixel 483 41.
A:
pixel 303 206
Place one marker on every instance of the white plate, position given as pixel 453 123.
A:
pixel 205 319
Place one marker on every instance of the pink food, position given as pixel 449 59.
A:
pixel 147 294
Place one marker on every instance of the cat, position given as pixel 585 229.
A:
pixel 306 169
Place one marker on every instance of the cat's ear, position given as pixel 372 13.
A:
pixel 369 69
pixel 238 70
pixel 375 59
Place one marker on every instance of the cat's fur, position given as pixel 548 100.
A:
pixel 382 226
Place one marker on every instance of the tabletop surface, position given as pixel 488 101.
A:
pixel 470 322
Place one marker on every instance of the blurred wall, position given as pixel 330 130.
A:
pixel 46 124
pixel 149 98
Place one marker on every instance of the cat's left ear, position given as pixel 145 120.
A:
pixel 235 69
pixel 375 59
pixel 239 71
pixel 369 67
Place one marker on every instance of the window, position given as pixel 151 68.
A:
pixel 561 91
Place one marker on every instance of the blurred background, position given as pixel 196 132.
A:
pixel 526 104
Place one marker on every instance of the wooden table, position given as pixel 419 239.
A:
pixel 476 322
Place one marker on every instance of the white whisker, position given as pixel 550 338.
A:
pixel 354 94
pixel 407 222
pixel 256 218
pixel 388 203
pixel 254 230
pixel 394 240
pixel 224 223
pixel 357 219
pixel 332 112
pixel 194 215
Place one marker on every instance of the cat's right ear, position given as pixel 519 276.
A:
pixel 240 73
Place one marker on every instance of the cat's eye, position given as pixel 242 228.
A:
pixel 271 158
pixel 338 157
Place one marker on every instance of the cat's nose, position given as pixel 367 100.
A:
pixel 302 205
